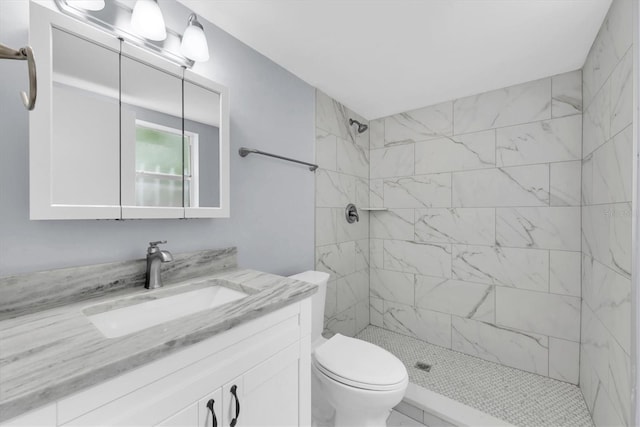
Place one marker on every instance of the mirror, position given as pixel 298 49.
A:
pixel 121 132
pixel 84 137
pixel 151 137
pixel 202 146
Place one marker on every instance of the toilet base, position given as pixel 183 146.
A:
pixel 322 413
pixel 351 407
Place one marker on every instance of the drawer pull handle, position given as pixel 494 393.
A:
pixel 234 421
pixel 213 413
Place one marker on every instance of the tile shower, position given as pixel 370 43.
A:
pixel 507 229
pixel 479 250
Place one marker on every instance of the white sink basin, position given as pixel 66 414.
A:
pixel 134 318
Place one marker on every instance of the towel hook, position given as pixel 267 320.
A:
pixel 25 53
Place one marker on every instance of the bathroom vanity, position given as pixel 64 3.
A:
pixel 245 360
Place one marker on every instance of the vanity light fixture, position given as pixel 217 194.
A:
pixel 194 42
pixel 147 20
pixel 93 5
pixel 143 21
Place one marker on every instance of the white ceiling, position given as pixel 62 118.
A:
pixel 381 57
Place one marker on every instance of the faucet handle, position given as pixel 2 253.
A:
pixel 153 246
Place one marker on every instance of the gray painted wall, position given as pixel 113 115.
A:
pixel 272 202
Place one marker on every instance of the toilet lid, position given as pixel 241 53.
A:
pixel 359 364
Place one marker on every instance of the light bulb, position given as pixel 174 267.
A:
pixel 147 20
pixel 194 42
pixel 87 4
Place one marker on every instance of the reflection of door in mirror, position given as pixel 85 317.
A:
pixel 85 153
pixel 202 119
pixel 153 153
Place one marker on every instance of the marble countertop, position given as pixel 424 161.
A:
pixel 51 354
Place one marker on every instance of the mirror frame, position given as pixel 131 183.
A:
pixel 42 21
pixel 223 210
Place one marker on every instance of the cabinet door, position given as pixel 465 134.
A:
pixel 74 142
pixel 210 410
pixel 151 128
pixel 266 395
pixel 188 417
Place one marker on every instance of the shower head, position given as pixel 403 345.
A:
pixel 361 127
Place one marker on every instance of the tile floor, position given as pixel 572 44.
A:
pixel 518 397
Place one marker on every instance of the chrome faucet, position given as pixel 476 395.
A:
pixel 155 257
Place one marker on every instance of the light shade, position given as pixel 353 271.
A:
pixel 86 4
pixel 147 20
pixel 194 43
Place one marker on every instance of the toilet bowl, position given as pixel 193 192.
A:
pixel 355 383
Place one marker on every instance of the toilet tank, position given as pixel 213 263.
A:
pixel 317 300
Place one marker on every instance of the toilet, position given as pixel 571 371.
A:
pixel 355 383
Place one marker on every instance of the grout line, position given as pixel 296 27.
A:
pixel 495 228
pixel 606 80
pixel 495 305
pixel 488 168
pixel 453 117
pixel 549 270
pixel 394 144
pixel 607 141
pixel 484 284
pixel 491 246
pixel 549 355
pixel 611 335
pixel 451 189
pixel 605 204
pixel 551 96
pixel 550 186
pixel 390 208
pixel 451 330
pixel 582 254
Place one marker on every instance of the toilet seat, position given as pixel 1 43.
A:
pixel 359 364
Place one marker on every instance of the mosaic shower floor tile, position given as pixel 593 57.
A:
pixel 518 397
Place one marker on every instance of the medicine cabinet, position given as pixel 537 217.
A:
pixel 120 132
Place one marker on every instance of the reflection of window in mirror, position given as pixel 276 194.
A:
pixel 159 155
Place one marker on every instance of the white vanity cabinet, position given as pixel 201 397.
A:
pixel 267 360
pixel 186 417
pixel 267 394
pixel 203 411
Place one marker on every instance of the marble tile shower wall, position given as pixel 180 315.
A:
pixel 479 250
pixel 342 249
pixel 605 371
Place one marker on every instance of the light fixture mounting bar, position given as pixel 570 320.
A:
pixel 99 20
